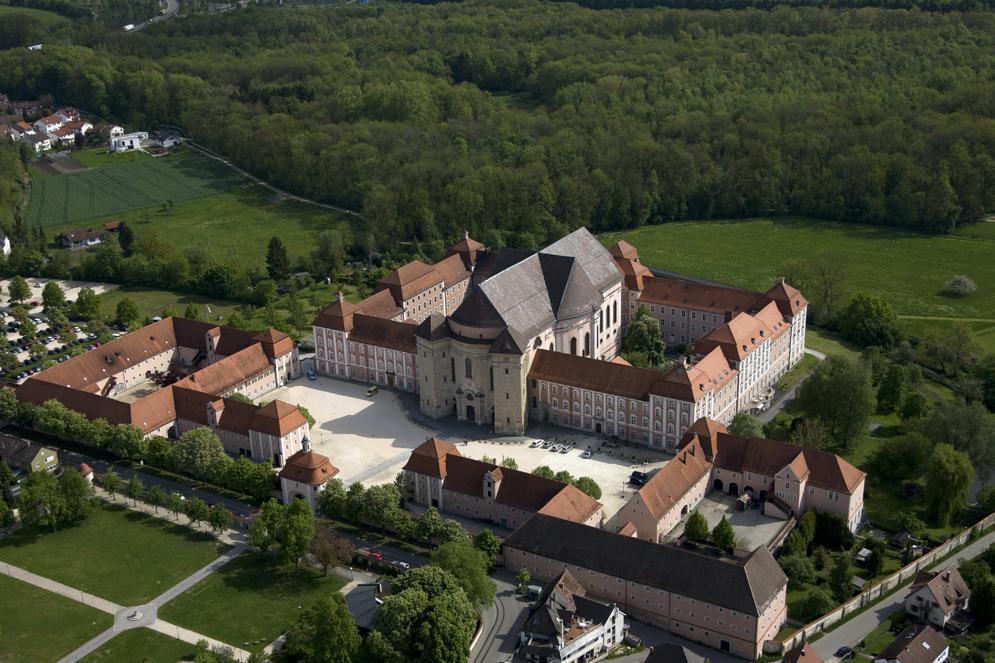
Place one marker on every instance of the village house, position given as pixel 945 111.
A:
pixel 937 597
pixel 81 238
pixel 128 142
pixel 565 626
pixel 437 475
pixel 177 374
pixel 918 643
pixel 733 605
pixel 27 456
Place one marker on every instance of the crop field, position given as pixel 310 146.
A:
pixel 906 268
pixel 114 188
pixel 46 17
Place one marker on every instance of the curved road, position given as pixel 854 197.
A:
pixel 172 6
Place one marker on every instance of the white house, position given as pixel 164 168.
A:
pixel 116 131
pixel 129 142
pixel 937 597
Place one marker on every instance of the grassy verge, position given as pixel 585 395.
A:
pixel 115 553
pixel 795 375
pixel 37 625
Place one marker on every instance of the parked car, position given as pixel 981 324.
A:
pixel 311 375
pixel 587 454
pixel 638 478
pixel 376 555
pixel 844 652
pixel 565 448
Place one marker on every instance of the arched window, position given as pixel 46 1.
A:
pixel 468 368
pixel 550 346
pixel 615 313
pixel 452 368
pixel 587 344
pixel 573 345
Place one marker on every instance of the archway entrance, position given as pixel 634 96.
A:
pixel 597 428
pixel 717 484
pixel 733 489
pixel 471 413
pixel 684 510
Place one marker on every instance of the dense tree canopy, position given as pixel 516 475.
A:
pixel 519 120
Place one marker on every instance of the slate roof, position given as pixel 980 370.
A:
pixel 19 453
pixel 562 608
pixel 918 643
pixel 594 258
pixel 747 585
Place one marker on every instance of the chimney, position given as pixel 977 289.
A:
pixel 946 576
pixel 341 297
pixel 306 443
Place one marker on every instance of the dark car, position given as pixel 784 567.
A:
pixel 638 478
pixel 844 652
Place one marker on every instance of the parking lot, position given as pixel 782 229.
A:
pixel 370 438
pixel 47 346
pixel 752 528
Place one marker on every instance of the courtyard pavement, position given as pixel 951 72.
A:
pixel 369 439
pixel 752 528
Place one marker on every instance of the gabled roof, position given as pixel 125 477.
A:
pixel 592 257
pixel 430 457
pixel 680 293
pixel 747 584
pixel 380 304
pixel 275 342
pixel 19 452
pixel 768 457
pixel 234 369
pixel 409 279
pixel 622 249
pixel 277 418
pixel 918 643
pixel 384 333
pixel 737 338
pixel 452 270
pixel 519 490
pixel 947 587
pixel 674 479
pixel 789 299
pixel 337 315
pixel 308 467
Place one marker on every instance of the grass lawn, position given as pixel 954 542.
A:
pixel 907 269
pixel 142 644
pixel 117 554
pixel 98 157
pixel 36 625
pixel 982 330
pixel 47 18
pixel 799 371
pixel 117 187
pixel 260 599
pixel 829 343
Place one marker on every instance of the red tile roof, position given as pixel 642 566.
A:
pixel 673 480
pixel 308 467
pixel 430 457
pixel 278 418
pixel 384 333
pixel 669 291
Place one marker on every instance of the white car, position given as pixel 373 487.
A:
pixel 536 443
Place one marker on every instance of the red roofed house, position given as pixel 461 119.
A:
pixel 86 471
pixel 438 475
pixel 304 476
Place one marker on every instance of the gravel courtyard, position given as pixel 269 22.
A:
pixel 752 528
pixel 370 438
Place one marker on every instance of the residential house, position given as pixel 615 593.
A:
pixel 936 597
pixel 733 605
pixel 28 456
pixel 81 238
pixel 38 141
pixel 364 601
pixel 65 135
pixel 49 123
pixel 4 244
pixel 438 475
pixel 918 643
pixel 565 626
pixel 304 476
pixel 128 142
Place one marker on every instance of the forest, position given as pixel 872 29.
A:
pixel 520 120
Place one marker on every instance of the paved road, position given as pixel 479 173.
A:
pixel 172 6
pixel 501 622
pixel 860 626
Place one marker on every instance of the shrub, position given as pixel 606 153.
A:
pixel 959 285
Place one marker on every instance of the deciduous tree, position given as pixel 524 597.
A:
pixel 470 567
pixel 839 394
pixel 947 481
pixel 324 633
pixel 745 424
